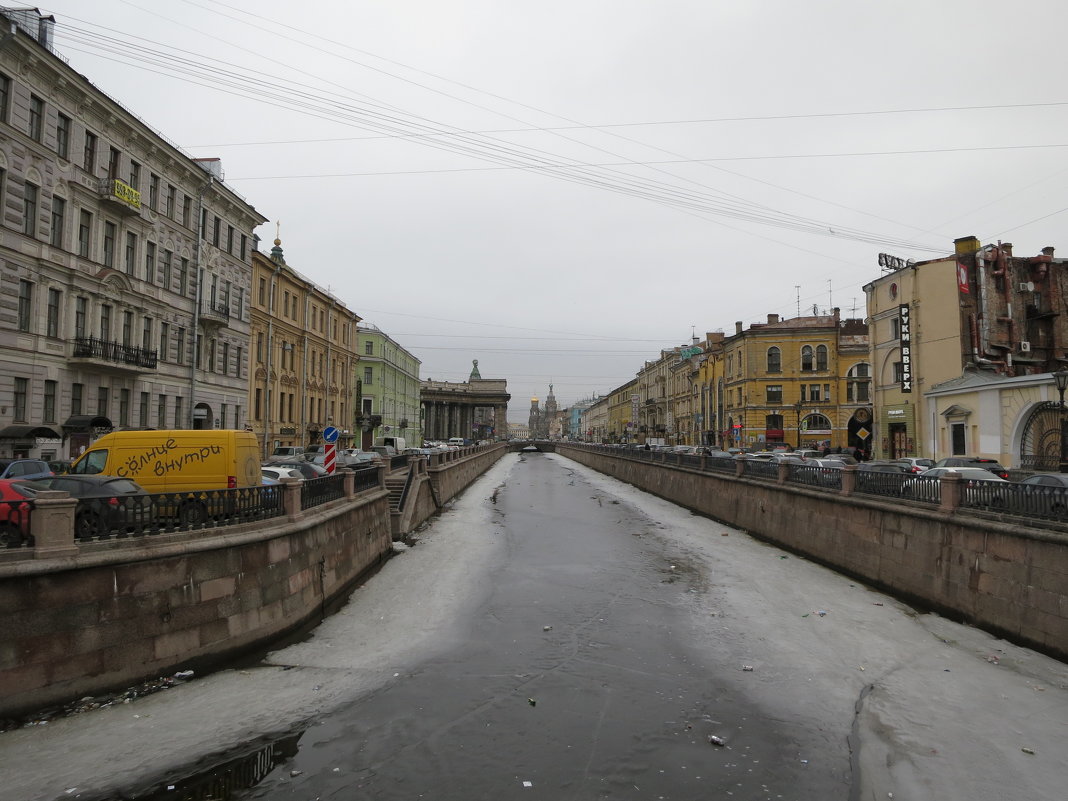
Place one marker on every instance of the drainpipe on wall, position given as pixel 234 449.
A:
pixel 199 272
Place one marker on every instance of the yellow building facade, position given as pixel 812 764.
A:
pixel 802 382
pixel 303 343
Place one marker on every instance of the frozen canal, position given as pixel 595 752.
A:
pixel 559 635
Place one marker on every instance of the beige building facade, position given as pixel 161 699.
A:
pixel 304 359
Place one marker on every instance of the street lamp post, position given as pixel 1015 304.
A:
pixel 1061 377
pixel 797 410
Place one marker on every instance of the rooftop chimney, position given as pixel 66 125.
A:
pixel 966 245
pixel 1047 251
pixel 773 318
pixel 737 326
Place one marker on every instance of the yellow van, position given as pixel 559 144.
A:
pixel 179 460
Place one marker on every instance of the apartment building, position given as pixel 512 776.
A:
pixel 126 265
pixel 304 342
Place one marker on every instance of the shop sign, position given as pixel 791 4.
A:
pixel 906 347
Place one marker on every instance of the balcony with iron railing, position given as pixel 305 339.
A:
pixel 216 312
pixel 114 355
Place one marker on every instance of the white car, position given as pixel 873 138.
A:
pixel 279 473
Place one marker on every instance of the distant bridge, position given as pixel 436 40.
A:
pixel 540 445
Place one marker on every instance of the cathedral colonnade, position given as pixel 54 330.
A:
pixel 474 409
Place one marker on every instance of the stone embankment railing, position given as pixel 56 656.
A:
pixel 85 615
pixel 953 548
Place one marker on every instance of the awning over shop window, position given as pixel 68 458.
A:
pixel 84 422
pixel 29 432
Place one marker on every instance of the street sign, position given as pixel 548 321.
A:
pixel 863 433
pixel 330 434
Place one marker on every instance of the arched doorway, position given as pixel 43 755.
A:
pixel 202 417
pixel 1040 445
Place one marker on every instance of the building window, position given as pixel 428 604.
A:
pixel 59 213
pixel 244 247
pixel 814 393
pixel 105 321
pixel 29 210
pixel 215 232
pixel 211 355
pixel 146 334
pixel 258 401
pixel 803 397
pixel 36 118
pixel 230 239
pixel 150 261
pixel 806 358
pixel 89 153
pixel 774 393
pixel 259 349
pixel 161 411
pixel 164 338
pixel 85 228
pixel 110 230
pixel 222 416
pixel 21 391
pixel 899 372
pixel 76 393
pixel 225 359
pixel 102 401
pixel 774 360
pixel 142 415
pixel 5 96
pixel 52 320
pixel 113 163
pixel 135 175
pixel 187 211
pixel 25 305
pixel 179 346
pixel 80 307
pixel 773 422
pixel 63 136
pixel 239 361
pixel 131 252
pixel 178 421
pixel 183 277
pixel 262 294
pixel 49 411
pixel 369 348
pixel 821 357
pixel 153 192
pixel 172 198
pixel 127 328
pixel 124 407
pixel 166 259
pixel 368 405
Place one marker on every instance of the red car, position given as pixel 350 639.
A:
pixel 16 497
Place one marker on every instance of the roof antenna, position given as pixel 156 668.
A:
pixel 797 288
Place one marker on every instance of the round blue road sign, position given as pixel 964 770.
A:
pixel 330 434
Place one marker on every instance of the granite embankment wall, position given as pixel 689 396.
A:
pixel 1003 574
pixel 80 618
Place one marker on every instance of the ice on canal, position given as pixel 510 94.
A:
pixel 920 708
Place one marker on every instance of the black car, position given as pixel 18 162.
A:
pixel 868 478
pixel 974 461
pixel 1048 493
pixel 105 503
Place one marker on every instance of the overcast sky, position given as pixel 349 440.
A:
pixel 561 189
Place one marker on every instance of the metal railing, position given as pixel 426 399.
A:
pixel 317 491
pixel 815 476
pixel 15 517
pixel 872 482
pixel 91 347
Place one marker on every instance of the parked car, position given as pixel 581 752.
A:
pixel 305 468
pixel 914 464
pixel 981 487
pixel 1048 492
pixel 385 451
pixel 276 473
pixel 15 495
pixel 807 453
pixel 288 451
pixel 867 476
pixel 24 468
pixel 974 461
pixel 106 503
pixel 844 458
